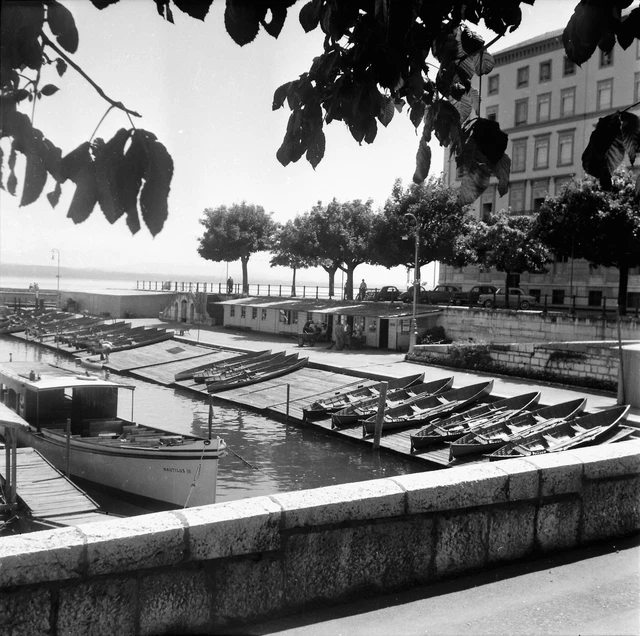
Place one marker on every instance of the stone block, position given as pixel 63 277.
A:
pixel 25 612
pixel 610 508
pixel 246 589
pixel 101 607
pixel 359 501
pixel 560 473
pixel 523 479
pixel 461 542
pixel 136 543
pixel 235 528
pixel 175 601
pixel 37 557
pixel 463 487
pixel 370 558
pixel 511 532
pixel 610 460
pixel 557 525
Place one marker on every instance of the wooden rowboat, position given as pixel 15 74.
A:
pixel 487 438
pixel 397 397
pixel 423 410
pixel 342 399
pixel 451 428
pixel 188 374
pixel 581 431
pixel 253 376
pixel 224 372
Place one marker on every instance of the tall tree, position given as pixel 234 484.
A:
pixel 342 238
pixel 601 226
pixel 236 232
pixel 443 225
pixel 374 62
pixel 507 243
pixel 291 247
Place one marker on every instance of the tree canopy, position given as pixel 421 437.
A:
pixel 236 232
pixel 507 244
pixel 443 224
pixel 601 226
pixel 373 64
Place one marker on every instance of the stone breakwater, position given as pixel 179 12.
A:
pixel 204 569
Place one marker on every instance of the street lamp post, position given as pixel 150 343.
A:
pixel 57 251
pixel 413 335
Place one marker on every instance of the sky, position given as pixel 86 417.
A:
pixel 209 102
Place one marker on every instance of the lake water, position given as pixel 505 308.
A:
pixel 266 456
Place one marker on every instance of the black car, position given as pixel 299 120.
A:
pixel 407 297
pixel 388 293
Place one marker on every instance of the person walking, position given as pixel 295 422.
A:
pixel 347 336
pixel 339 335
pixel 362 290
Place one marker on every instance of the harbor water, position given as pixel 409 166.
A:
pixel 265 456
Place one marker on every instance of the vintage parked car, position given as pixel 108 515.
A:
pixel 388 293
pixel 443 294
pixel 472 296
pixel 518 298
pixel 407 297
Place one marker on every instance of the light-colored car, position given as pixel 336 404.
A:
pixel 518 298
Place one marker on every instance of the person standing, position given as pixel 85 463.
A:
pixel 347 336
pixel 339 335
pixel 230 285
pixel 363 290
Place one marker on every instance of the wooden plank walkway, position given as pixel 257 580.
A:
pixel 154 354
pixel 47 494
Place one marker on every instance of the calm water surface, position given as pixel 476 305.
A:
pixel 266 456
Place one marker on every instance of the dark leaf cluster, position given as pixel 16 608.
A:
pixel 128 175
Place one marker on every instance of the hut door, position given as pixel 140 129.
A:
pixel 183 311
pixel 383 341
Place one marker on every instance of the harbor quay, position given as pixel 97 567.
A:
pixel 223 568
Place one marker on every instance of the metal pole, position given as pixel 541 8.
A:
pixel 210 414
pixel 288 394
pixel 413 336
pixel 68 446
pixel 382 399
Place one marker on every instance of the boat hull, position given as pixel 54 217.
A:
pixel 175 476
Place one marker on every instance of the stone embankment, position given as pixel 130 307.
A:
pixel 204 569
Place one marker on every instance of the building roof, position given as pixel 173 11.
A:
pixel 344 308
pixel 549 35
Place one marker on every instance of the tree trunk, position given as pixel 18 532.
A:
pixel 332 279
pixel 622 289
pixel 245 273
pixel 507 280
pixel 293 283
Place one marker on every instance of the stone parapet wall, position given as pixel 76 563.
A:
pixel 204 569
pixel 477 324
pixel 593 364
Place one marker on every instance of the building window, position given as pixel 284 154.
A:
pixel 545 71
pixel 543 110
pixel 569 67
pixel 541 153
pixel 494 85
pixel 285 316
pixel 523 77
pixel 243 312
pixel 522 108
pixel 595 298
pixel 264 314
pixel 232 311
pixel 606 59
pixel 516 196
pixel 561 183
pixel 254 313
pixel 565 148
pixel 294 317
pixel 492 113
pixel 487 201
pixel 539 192
pixel 605 91
pixel 567 101
pixel 557 297
pixel 519 155
pixel 636 87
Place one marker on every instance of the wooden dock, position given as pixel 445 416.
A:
pixel 47 495
pixel 282 398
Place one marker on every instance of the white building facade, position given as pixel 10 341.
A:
pixel 549 106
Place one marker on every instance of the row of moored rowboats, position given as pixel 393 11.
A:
pixel 468 422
